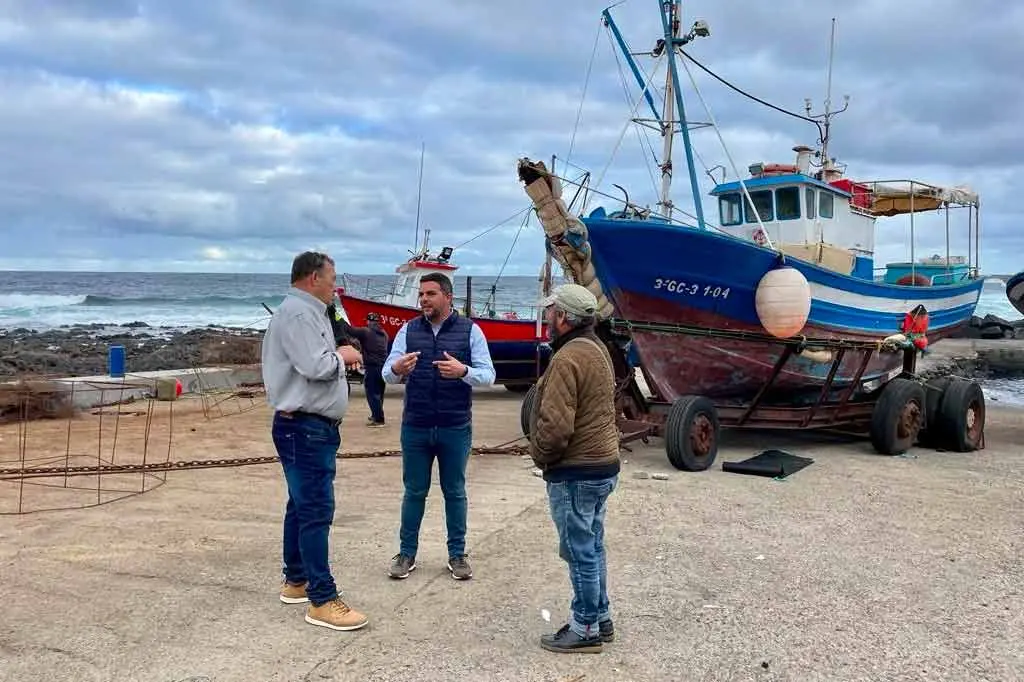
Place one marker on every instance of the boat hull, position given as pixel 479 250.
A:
pixel 683 276
pixel 518 354
pixel 1015 291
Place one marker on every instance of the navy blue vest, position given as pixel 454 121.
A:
pixel 430 399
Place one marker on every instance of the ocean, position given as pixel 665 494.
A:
pixel 49 300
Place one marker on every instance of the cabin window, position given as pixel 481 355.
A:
pixel 811 203
pixel 787 203
pixel 729 209
pixel 825 200
pixel 763 203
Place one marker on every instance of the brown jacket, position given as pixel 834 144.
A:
pixel 573 435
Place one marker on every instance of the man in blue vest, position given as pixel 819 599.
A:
pixel 440 356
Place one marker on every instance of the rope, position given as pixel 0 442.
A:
pixel 747 94
pixel 641 131
pixel 494 227
pixel 492 298
pixel 583 97
pixel 743 185
pixel 632 115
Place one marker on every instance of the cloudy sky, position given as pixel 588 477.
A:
pixel 220 135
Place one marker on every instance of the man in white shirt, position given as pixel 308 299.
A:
pixel 304 374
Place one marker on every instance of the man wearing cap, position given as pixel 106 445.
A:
pixel 574 441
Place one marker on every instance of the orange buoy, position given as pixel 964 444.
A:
pixel 783 301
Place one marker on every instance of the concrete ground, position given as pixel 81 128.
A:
pixel 858 567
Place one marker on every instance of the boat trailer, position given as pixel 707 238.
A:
pixel 945 413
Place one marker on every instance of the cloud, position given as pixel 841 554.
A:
pixel 228 136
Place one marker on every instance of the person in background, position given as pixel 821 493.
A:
pixel 304 374
pixel 574 441
pixel 373 341
pixel 440 355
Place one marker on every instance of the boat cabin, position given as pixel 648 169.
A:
pixel 826 223
pixel 829 220
pixel 407 284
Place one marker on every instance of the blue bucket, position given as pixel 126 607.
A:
pixel 116 361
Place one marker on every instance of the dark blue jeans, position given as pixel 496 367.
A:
pixel 307 448
pixel 373 383
pixel 578 510
pixel 451 447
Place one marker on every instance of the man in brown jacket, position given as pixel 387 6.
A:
pixel 575 442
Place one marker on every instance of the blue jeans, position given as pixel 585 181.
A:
pixel 451 446
pixel 373 383
pixel 307 448
pixel 578 510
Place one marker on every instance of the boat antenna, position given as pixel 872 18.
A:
pixel 419 195
pixel 826 117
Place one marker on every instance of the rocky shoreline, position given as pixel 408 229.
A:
pixel 992 327
pixel 82 350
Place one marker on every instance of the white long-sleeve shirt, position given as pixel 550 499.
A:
pixel 301 369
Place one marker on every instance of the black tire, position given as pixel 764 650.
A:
pixel 517 388
pixel 526 408
pixel 691 433
pixel 934 390
pixel 898 416
pixel 960 424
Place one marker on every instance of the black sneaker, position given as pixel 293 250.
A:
pixel 607 630
pixel 460 568
pixel 565 641
pixel 401 566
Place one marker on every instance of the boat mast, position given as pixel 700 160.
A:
pixel 668 125
pixel 419 197
pixel 671 20
pixel 671 15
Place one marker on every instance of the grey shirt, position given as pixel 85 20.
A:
pixel 301 370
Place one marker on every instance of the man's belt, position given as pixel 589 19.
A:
pixel 299 414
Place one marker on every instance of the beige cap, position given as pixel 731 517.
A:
pixel 572 298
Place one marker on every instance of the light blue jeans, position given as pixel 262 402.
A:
pixel 451 446
pixel 578 510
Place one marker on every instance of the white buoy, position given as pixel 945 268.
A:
pixel 783 301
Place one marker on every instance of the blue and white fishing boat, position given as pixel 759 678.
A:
pixel 792 256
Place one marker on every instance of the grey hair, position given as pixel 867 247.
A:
pixel 578 321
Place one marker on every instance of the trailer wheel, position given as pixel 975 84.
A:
pixel 898 416
pixel 960 423
pixel 934 391
pixel 526 408
pixel 517 388
pixel 691 433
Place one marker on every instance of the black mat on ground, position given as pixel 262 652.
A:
pixel 769 463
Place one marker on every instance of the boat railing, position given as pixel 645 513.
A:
pixel 905 196
pixel 940 279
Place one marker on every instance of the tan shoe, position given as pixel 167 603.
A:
pixel 336 615
pixel 294 594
